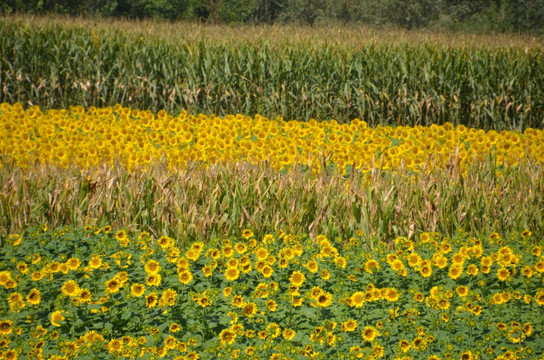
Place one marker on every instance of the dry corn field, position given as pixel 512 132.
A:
pixel 244 192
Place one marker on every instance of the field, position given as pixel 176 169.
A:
pixel 239 192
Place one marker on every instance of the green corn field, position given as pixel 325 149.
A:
pixel 408 82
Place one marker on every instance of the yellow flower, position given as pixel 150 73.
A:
pixel 56 318
pixel 324 300
pixel 249 309
pixel 152 267
pixel 404 345
pixel 349 325
pixel 462 290
pixel 240 248
pixel 227 337
pixel 455 271
pixel 95 262
pixel 312 266
pixel 34 298
pixel 170 342
pixel 288 334
pixel 358 299
pixel 272 305
pixel 137 290
pixel 185 277
pixel 6 326
pixel 112 286
pixel 165 242
pixel 467 355
pixel 297 278
pixel 153 279
pixel 151 300
pixel 73 263
pixel 231 274
pixel 70 288
pixel 369 333
pixel 502 274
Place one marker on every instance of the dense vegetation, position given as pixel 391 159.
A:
pixel 198 177
pixel 159 201
pixel 486 86
pixel 470 15
pixel 108 294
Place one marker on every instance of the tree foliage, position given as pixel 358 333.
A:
pixel 468 15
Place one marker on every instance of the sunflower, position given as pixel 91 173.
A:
pixel 272 305
pixel 391 295
pixel 324 299
pixel 73 263
pixel 539 297
pixel 6 326
pixel 232 263
pixel 165 242
pixel 121 235
pixel 185 277
pixel 22 267
pixel 443 304
pixel 137 290
pixel 296 301
pixel 207 271
pixel 95 262
pixel 414 260
pixel 527 329
pixel 358 299
pixel 297 278
pixel 349 325
pixel 154 279
pixel 462 290
pixel 34 298
pixel 247 234
pixel 54 267
pixel 36 258
pixel 238 301
pixel 240 248
pixel 312 266
pixel 85 295
pixel 57 317
pixel 170 342
pixel 502 274
pixel 151 300
pixel 472 270
pixel 288 334
pixel 404 345
pixel 152 267
pixel 426 271
pixel 249 309
pixel 36 276
pixel 70 288
pixel 377 351
pixel 231 274
pixel 467 355
pixel 455 271
pixel 10 355
pixel 261 253
pixel 370 333
pixel 113 286
pixel 283 263
pixel 227 337
pixel 325 275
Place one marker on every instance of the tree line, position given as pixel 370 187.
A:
pixel 464 15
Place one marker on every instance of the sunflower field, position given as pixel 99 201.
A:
pixel 175 209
